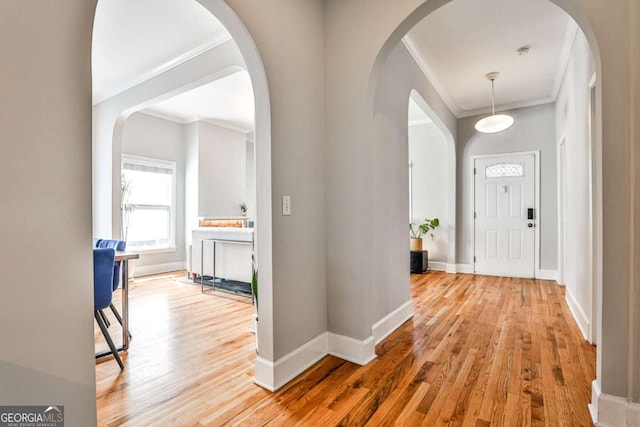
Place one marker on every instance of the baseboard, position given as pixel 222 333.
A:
pixel 392 321
pixel 356 351
pixel 450 268
pixel 145 270
pixel 547 275
pixel 465 268
pixel 612 411
pixel 437 265
pixel 274 375
pixel 578 314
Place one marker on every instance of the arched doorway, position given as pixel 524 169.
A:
pixel 108 125
pixel 595 208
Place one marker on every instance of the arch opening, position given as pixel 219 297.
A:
pixel 594 150
pixel 213 60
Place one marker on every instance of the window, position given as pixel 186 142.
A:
pixel 504 170
pixel 151 194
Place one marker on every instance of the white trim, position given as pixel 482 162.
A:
pixel 595 202
pixel 225 125
pixel 417 122
pixel 565 55
pixel 593 406
pixel 578 314
pixel 145 270
pixel 410 44
pixel 506 107
pixel 612 411
pixel 464 268
pixel 162 116
pixel 562 214
pixel 536 232
pixel 360 352
pixel 392 321
pixel 450 268
pixel 273 375
pixel 164 67
pixel 437 265
pixel 547 275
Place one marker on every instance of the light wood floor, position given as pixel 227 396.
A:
pixel 480 351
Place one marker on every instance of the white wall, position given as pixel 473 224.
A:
pixel 191 183
pixel 222 162
pixel 428 152
pixel 250 180
pixel 46 295
pixel 534 129
pixel 572 119
pixel 148 136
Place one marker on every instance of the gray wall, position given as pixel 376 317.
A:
pixel 46 296
pixel 390 192
pixel 148 136
pixel 428 152
pixel 289 37
pixel 47 62
pixel 572 119
pixel 534 129
pixel 222 163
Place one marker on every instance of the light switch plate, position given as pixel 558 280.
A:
pixel 286 205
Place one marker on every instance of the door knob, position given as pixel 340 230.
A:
pixel 530 225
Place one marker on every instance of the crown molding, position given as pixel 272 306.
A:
pixel 565 55
pixel 181 121
pixel 207 45
pixel 415 53
pixel 506 107
pixel 163 116
pixel 420 122
pixel 221 124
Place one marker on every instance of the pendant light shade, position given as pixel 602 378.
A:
pixel 495 122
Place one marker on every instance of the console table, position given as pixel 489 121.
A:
pixel 215 241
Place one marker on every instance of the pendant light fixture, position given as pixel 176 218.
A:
pixel 495 122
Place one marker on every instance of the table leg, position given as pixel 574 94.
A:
pixel 125 304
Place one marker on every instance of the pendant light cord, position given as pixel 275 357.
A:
pixel 493 103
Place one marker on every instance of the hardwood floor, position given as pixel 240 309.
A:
pixel 480 351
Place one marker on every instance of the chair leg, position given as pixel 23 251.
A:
pixel 115 313
pixel 104 318
pixel 112 346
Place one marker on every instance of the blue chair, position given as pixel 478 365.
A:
pixel 118 245
pixel 103 260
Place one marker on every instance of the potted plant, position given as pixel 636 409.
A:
pixel 243 209
pixel 418 230
pixel 126 208
pixel 254 291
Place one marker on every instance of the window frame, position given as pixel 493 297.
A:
pixel 157 163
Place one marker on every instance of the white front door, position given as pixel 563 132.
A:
pixel 504 234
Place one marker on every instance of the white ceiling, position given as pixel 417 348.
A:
pixel 136 40
pixel 456 46
pixel 464 40
pixel 229 100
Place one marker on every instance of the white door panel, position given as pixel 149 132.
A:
pixel 504 191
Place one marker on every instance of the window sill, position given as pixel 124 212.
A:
pixel 151 251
